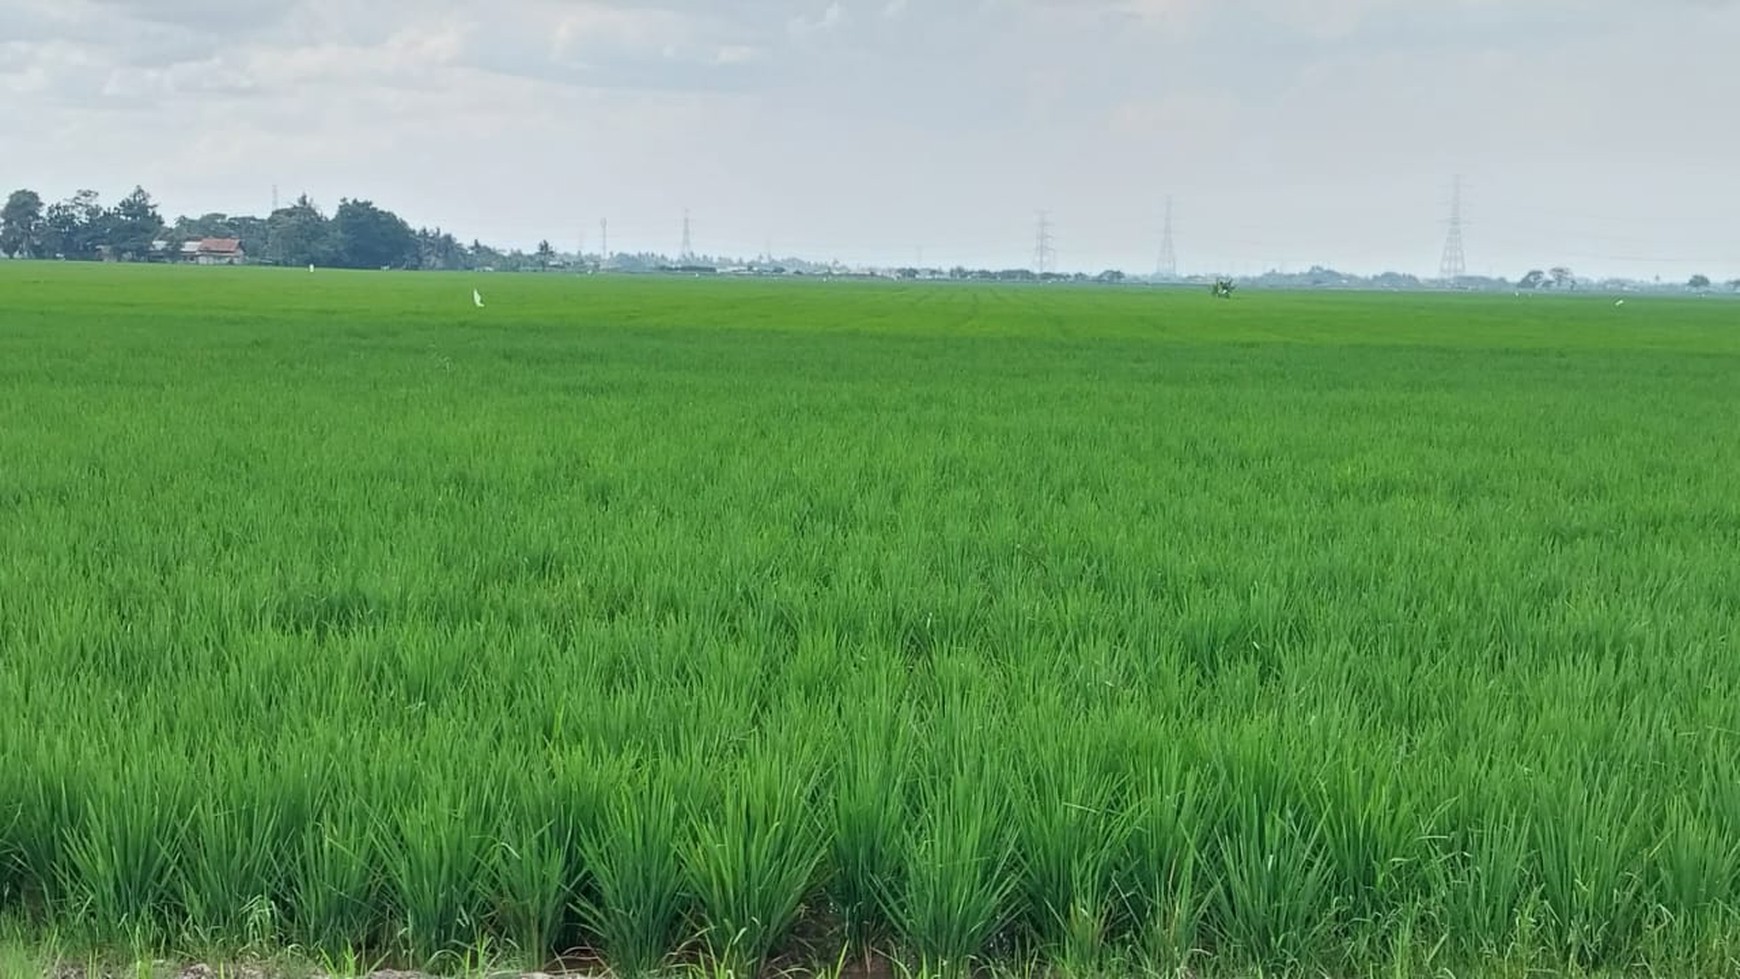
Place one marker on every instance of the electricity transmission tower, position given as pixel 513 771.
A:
pixel 688 248
pixel 1167 266
pixel 1044 252
pixel 1455 265
pixel 603 240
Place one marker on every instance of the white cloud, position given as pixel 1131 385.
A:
pixel 832 18
pixel 737 54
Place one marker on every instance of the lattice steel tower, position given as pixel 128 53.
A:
pixel 1167 266
pixel 1044 253
pixel 1455 265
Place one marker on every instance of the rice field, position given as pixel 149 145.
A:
pixel 750 626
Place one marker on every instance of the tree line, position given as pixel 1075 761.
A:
pixel 1561 277
pixel 358 234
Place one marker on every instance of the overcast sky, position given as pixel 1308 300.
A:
pixel 1601 134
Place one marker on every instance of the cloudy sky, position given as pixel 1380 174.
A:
pixel 1601 134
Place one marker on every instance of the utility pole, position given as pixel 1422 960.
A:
pixel 1454 266
pixel 1044 253
pixel 1167 266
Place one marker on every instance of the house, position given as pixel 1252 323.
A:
pixel 213 251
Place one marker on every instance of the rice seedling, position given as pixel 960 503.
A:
pixel 435 861
pixel 334 887
pixel 1274 898
pixel 751 858
pixel 121 856
pixel 1070 829
pixel 632 854
pixel 1165 895
pixel 952 897
pixel 530 872
pixel 868 814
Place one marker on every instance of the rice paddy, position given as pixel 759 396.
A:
pixel 749 626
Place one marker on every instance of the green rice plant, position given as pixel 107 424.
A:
pixel 1413 950
pixel 232 874
pixel 530 873
pixel 867 811
pixel 752 857
pixel 1591 850
pixel 11 820
pixel 632 854
pixel 49 796
pixel 436 860
pixel 1273 901
pixel 120 858
pixel 1484 887
pixel 1070 829
pixel 333 887
pixel 953 896
pixel 1694 869
pixel 13 862
pixel 1381 850
pixel 1165 893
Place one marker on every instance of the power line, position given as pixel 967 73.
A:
pixel 1454 265
pixel 1044 252
pixel 1167 266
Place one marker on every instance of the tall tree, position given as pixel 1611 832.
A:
pixel 1699 282
pixel 437 249
pixel 300 235
pixel 73 228
pixel 372 238
pixel 21 225
pixel 251 231
pixel 482 255
pixel 133 225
